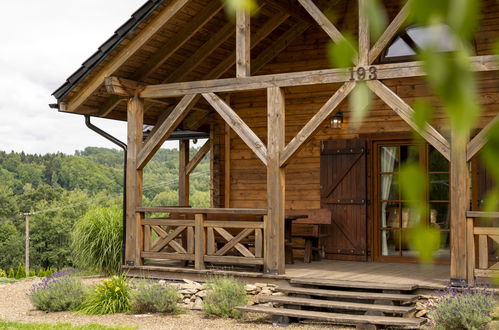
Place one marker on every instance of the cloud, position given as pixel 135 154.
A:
pixel 43 42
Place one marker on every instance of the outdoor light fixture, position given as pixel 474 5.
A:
pixel 337 120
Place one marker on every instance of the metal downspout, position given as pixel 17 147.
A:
pixel 124 147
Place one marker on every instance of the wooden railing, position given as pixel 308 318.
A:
pixel 226 236
pixel 478 240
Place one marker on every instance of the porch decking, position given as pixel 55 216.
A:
pixel 426 277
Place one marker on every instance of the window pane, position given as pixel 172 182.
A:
pixel 437 162
pixel 439 215
pixel 399 48
pixel 409 217
pixel 405 247
pixel 437 36
pixel 389 187
pixel 390 240
pixel 389 159
pixel 439 187
pixel 409 153
pixel 390 215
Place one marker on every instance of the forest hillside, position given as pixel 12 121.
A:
pixel 60 188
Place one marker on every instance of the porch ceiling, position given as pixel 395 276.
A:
pixel 196 42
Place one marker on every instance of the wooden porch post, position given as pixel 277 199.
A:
pixel 134 235
pixel 274 222
pixel 459 203
pixel 183 180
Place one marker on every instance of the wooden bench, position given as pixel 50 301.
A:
pixel 309 229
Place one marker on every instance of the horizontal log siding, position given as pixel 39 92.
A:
pixel 308 52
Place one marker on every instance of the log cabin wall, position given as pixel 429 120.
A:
pixel 309 52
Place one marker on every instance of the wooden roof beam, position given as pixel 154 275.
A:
pixel 165 128
pixel 198 157
pixel 243 33
pixel 322 20
pixel 328 109
pixel 477 143
pixel 430 134
pixel 389 33
pixel 125 53
pixel 238 125
pixel 314 77
pixel 202 53
pixel 168 49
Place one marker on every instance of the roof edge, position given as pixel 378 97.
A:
pixel 139 16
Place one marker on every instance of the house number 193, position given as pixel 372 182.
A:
pixel 362 73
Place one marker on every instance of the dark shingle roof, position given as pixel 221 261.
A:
pixel 121 33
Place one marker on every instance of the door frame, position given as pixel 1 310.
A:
pixel 373 207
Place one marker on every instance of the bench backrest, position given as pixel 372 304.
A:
pixel 315 216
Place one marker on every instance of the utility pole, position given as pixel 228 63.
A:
pixel 26 242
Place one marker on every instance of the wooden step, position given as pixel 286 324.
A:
pixel 350 294
pixel 335 317
pixel 354 284
pixel 342 305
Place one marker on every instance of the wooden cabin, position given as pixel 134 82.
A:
pixel 284 148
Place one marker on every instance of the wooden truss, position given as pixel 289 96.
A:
pixel 276 154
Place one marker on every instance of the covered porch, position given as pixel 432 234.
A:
pixel 431 277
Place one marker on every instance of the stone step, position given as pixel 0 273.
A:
pixel 342 305
pixel 354 284
pixel 349 294
pixel 336 318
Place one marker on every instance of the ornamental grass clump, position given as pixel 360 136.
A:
pixel 224 293
pixel 62 291
pixel 466 308
pixel 109 297
pixel 96 240
pixel 151 297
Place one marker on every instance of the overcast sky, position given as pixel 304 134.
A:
pixel 43 43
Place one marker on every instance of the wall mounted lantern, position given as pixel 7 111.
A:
pixel 337 120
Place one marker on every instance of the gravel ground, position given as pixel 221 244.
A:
pixel 15 306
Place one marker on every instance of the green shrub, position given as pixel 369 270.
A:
pixel 109 297
pixel 32 273
pixel 151 297
pixel 3 273
pixel 11 273
pixel 21 272
pixel 62 291
pixel 48 272
pixel 467 308
pixel 97 240
pixel 224 294
pixel 41 273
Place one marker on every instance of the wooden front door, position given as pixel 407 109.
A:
pixel 344 192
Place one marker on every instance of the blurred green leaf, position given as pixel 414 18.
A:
pixel 423 113
pixel 496 49
pixel 360 99
pixel 342 54
pixel 232 6
pixel 423 12
pixel 462 17
pixel 451 78
pixel 377 18
pixel 425 240
pixel 490 158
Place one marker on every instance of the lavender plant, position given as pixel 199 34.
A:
pixel 466 308
pixel 61 291
pixel 151 297
pixel 224 294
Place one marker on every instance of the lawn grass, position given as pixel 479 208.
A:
pixel 59 326
pixel 5 280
